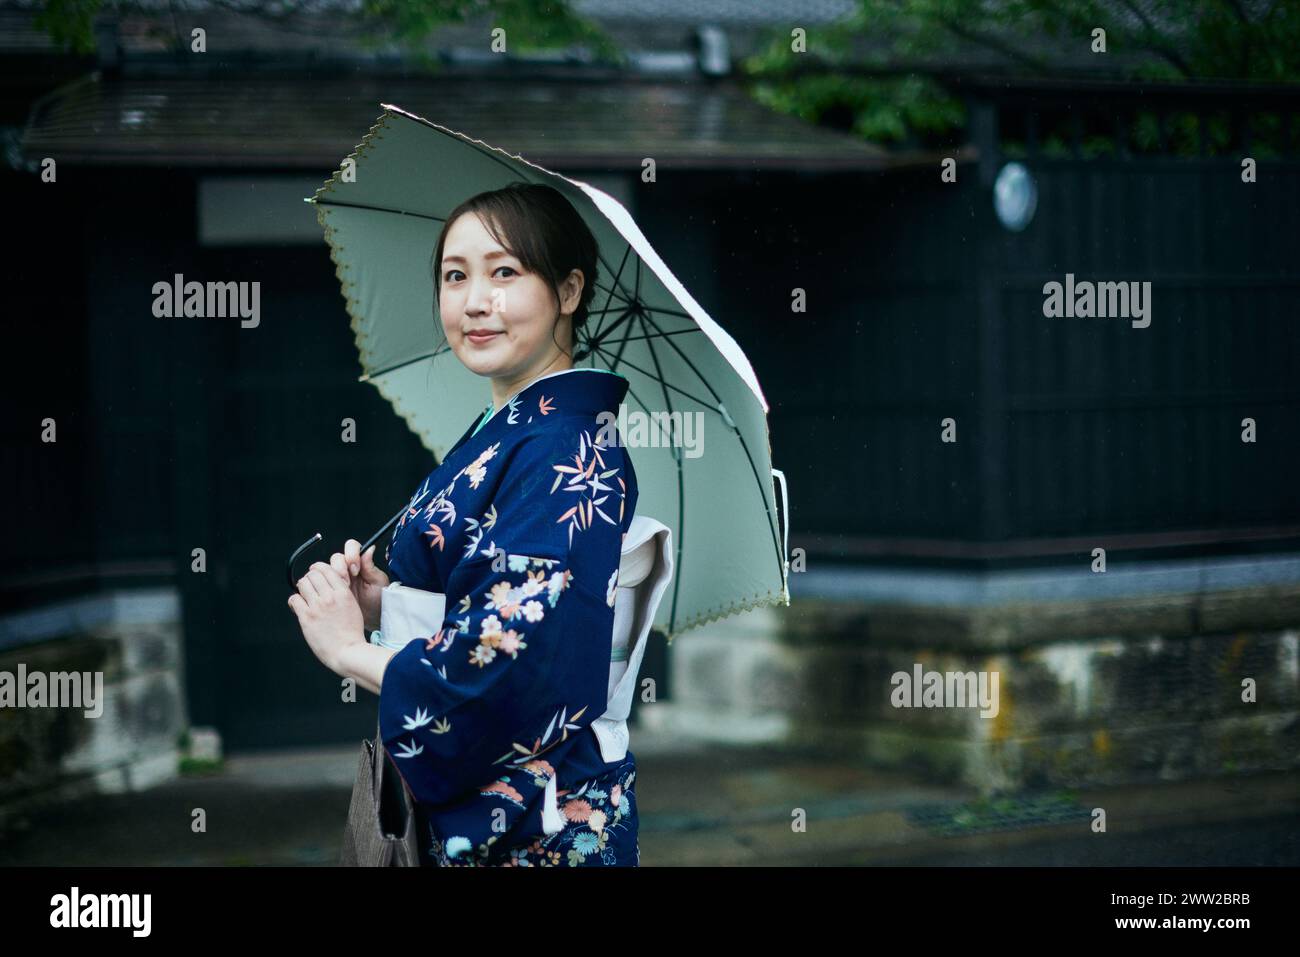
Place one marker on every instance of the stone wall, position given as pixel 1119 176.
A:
pixel 133 638
pixel 1134 679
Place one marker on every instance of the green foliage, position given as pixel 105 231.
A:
pixel 200 766
pixel 1174 40
pixel 1005 813
pixel 531 25
pixel 888 109
pixel 70 24
pixel 870 73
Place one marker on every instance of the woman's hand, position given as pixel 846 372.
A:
pixel 328 614
pixel 366 580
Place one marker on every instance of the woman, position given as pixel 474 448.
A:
pixel 520 526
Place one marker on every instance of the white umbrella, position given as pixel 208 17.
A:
pixel 381 219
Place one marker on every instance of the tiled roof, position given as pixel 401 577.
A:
pixel 297 121
pixel 635 25
pixel 331 29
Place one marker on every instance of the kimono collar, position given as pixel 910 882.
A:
pixel 579 390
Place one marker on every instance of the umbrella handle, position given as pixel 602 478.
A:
pixel 293 581
pixel 785 535
pixel 297 552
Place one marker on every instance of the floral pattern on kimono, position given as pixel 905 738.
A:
pixel 521 527
pixel 600 829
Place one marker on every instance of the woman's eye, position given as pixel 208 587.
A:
pixel 452 273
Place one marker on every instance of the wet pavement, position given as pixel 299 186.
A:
pixel 704 806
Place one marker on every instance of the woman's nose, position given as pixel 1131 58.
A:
pixel 478 301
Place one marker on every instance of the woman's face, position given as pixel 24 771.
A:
pixel 498 319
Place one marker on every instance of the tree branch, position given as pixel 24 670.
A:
pixel 993 43
pixel 1168 52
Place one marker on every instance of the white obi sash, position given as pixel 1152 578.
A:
pixel 645 569
pixel 406 613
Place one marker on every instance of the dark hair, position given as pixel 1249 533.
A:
pixel 537 225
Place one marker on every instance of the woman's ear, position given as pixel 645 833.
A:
pixel 572 291
pixel 570 298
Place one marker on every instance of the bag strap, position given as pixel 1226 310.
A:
pixel 377 754
pixel 398 789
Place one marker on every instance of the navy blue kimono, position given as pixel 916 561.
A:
pixel 521 527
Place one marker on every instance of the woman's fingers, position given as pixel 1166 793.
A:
pixel 307 588
pixel 326 579
pixel 369 571
pixel 352 552
pixel 340 565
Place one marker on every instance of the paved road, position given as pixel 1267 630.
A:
pixel 731 807
pixel 1267 842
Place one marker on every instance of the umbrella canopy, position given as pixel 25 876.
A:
pixel 382 212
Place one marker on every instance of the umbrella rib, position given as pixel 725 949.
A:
pixel 619 358
pixel 608 307
pixel 600 321
pixel 681 482
pixel 645 408
pixel 675 332
pixel 670 312
pixel 689 363
pixel 608 297
pixel 385 209
pixel 405 362
pixel 614 278
pixel 593 341
pixel 771 518
pixel 694 398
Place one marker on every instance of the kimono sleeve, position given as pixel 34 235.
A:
pixel 522 660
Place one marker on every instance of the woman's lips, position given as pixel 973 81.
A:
pixel 479 338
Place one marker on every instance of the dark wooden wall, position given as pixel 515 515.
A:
pixel 922 306
pixel 185 433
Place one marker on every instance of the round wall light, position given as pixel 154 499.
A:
pixel 1015 196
